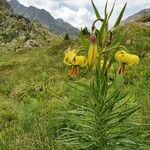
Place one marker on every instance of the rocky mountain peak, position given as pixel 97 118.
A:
pixel 57 26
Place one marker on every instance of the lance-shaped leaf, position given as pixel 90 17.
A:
pixel 112 9
pixel 84 41
pixel 119 38
pixel 106 8
pixel 102 32
pixel 106 14
pixel 120 16
pixel 95 10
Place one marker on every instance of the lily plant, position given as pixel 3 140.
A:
pixel 103 111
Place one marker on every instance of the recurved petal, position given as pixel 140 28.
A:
pixel 129 59
pixel 69 58
pixel 81 60
pixel 132 59
pixel 120 56
pixel 66 61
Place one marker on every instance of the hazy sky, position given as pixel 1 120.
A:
pixel 79 13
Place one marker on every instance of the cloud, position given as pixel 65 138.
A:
pixel 80 18
pixel 44 4
pixel 79 13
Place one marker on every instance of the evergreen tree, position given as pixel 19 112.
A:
pixel 85 31
pixel 66 37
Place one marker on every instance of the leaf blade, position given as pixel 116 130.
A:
pixel 120 16
pixel 95 10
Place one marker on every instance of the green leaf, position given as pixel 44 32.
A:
pixel 96 11
pixel 84 41
pixel 118 39
pixel 112 9
pixel 126 141
pixel 104 87
pixel 109 107
pixel 123 116
pixel 110 63
pixel 102 32
pixel 94 91
pixel 120 16
pixel 114 95
pixel 127 114
pixel 98 79
pixel 84 85
pixel 118 81
pixel 106 8
pixel 82 107
pixel 104 64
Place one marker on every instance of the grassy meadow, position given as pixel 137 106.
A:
pixel 35 89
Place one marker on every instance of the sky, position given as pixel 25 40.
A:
pixel 79 13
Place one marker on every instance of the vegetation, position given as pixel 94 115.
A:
pixel 37 95
pixel 85 31
pixel 66 37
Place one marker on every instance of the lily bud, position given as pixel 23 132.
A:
pixel 92 53
pixel 127 58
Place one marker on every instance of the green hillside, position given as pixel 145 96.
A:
pixel 31 77
pixel 28 56
pixel 137 41
pixel 33 83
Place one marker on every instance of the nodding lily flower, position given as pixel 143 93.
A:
pixel 126 59
pixel 92 53
pixel 72 59
pixel 70 56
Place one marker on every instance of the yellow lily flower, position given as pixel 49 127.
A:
pixel 92 53
pixel 127 58
pixel 69 57
pixel 74 61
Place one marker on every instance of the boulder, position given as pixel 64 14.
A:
pixel 30 44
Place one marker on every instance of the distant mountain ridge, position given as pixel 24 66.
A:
pixel 57 26
pixel 142 16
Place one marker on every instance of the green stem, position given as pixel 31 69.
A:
pixel 111 49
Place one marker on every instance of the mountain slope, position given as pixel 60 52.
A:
pixel 29 55
pixel 18 33
pixel 4 4
pixel 57 26
pixel 142 16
